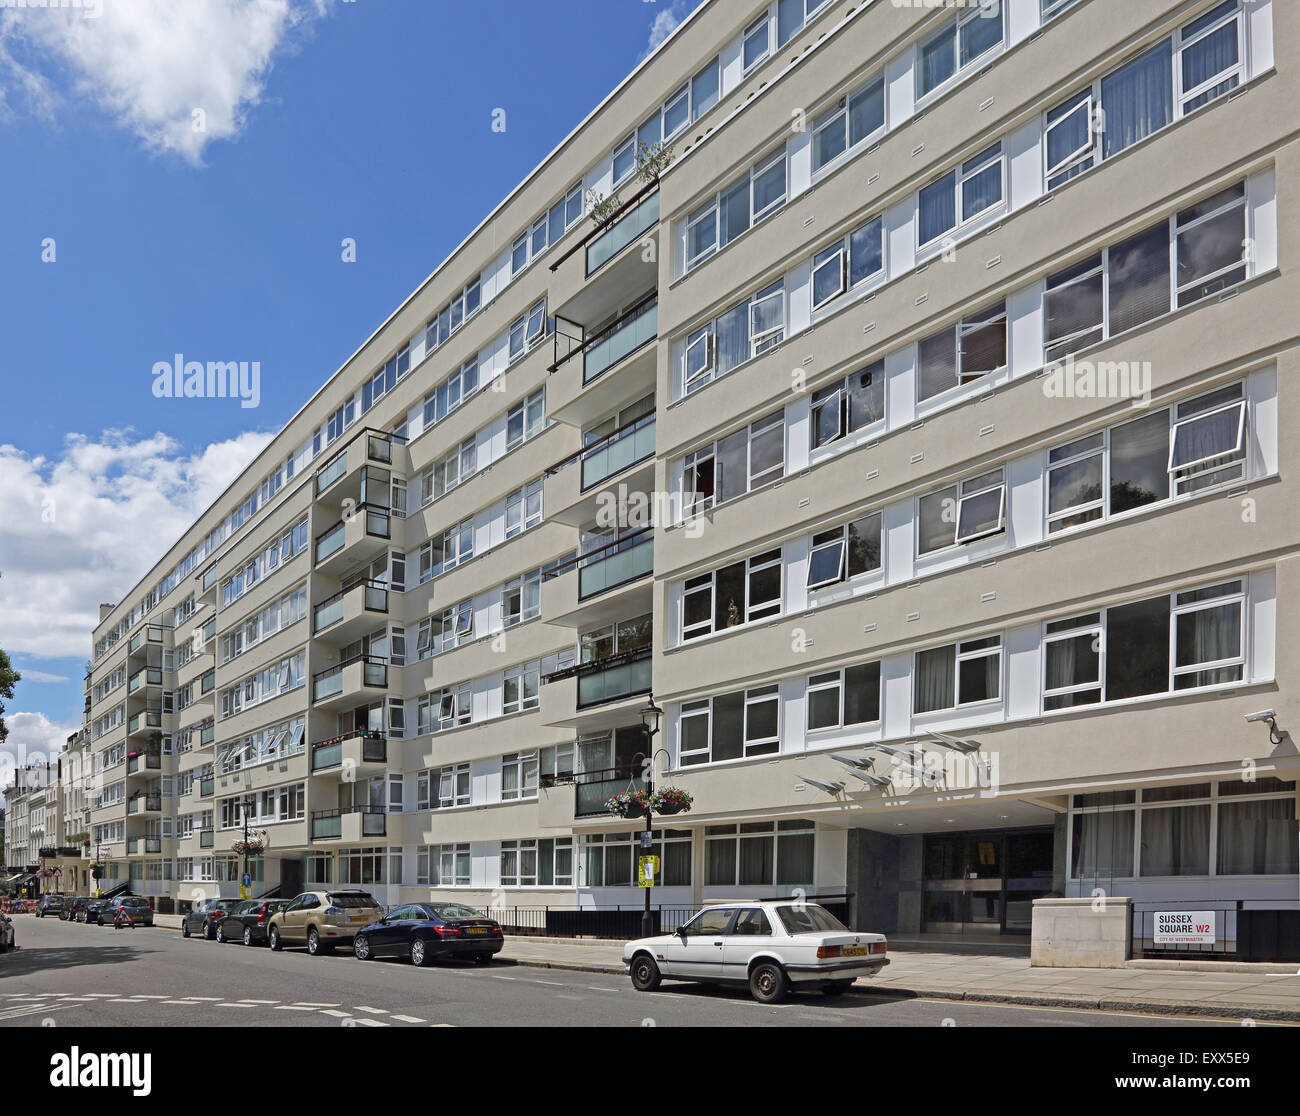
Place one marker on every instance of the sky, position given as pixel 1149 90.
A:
pixel 179 177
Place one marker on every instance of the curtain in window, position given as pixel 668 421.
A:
pixel 1139 279
pixel 938 208
pixel 1210 56
pixel 756 860
pixel 937 360
pixel 1208 636
pixel 794 859
pixel 938 59
pixel 1137 100
pixel 933 679
pixel 1176 841
pixel 720 862
pixel 1258 838
pixel 732 333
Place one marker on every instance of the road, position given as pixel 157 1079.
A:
pixel 67 974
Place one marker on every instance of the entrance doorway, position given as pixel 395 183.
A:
pixel 985 881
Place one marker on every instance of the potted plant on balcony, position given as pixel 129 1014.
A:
pixel 671 800
pixel 627 804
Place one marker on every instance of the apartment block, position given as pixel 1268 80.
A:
pixel 911 433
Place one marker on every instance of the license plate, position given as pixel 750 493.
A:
pixel 360 918
pixel 855 951
pixel 477 930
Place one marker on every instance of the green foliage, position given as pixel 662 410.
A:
pixel 8 679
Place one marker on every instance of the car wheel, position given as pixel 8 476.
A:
pixel 645 973
pixel 361 947
pixel 208 932
pixel 248 935
pixel 419 953
pixel 837 988
pixel 220 934
pixel 767 983
pixel 313 942
pixel 185 928
pixel 276 944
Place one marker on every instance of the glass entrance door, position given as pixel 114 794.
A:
pixel 983 882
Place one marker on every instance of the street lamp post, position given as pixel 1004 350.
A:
pixel 248 804
pixel 650 723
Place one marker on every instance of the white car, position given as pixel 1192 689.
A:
pixel 771 946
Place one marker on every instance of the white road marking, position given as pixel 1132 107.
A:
pixel 188 1003
pixel 595 988
pixel 246 1000
pixel 238 1005
pixel 373 1011
pixel 371 1023
pixel 552 983
pixel 408 1019
pixel 495 977
pixel 337 1014
pixel 309 1004
pixel 293 1007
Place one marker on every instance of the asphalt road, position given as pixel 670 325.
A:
pixel 67 974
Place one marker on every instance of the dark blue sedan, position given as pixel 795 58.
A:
pixel 428 931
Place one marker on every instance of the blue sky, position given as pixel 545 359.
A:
pixel 325 119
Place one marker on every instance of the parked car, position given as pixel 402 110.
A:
pixel 72 910
pixel 6 933
pixel 90 912
pixel 322 919
pixel 50 904
pixel 136 907
pixel 247 921
pixel 203 916
pixel 770 945
pixel 428 931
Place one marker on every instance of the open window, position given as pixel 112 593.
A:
pixel 1069 138
pixel 827 559
pixel 1208 447
pixel 700 357
pixel 767 320
pixel 829 275
pixel 829 416
pixel 981 507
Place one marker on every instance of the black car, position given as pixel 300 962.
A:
pixel 90 912
pixel 425 931
pixel 50 904
pixel 247 921
pixel 204 915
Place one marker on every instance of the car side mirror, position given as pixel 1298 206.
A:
pixel 681 933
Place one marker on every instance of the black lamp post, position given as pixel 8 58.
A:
pixel 650 723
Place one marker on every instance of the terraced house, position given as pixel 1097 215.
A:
pixel 915 438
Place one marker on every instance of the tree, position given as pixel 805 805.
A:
pixel 8 679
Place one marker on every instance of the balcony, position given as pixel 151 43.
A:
pixel 148 761
pixel 342 686
pixel 358 473
pixel 146 845
pixel 572 495
pixel 350 754
pixel 598 695
pixel 364 535
pixel 154 633
pixel 145 721
pixel 349 824
pixel 144 804
pixel 604 584
pixel 591 790
pixel 345 616
pixel 207 787
pixel 594 375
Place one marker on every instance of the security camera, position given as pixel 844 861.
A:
pixel 1262 715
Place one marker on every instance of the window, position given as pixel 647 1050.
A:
pixel 1202 62
pixel 957 675
pixel 730 726
pixel 1209 241
pixel 962 513
pixel 854 119
pixel 527 331
pixel 737 594
pixel 1073 661
pixel 759 854
pixel 743 332
pixel 443 787
pixel 525 419
pixel 743 204
pixel 704 90
pixel 521 599
pixel 443 865
pixel 966 38
pixel 451 317
pixel 848 405
pixel 756 42
pixel 961 195
pixel 1074 309
pixel 741 462
pixel 444 709
pixel 615 639
pixel 845 264
pixel 609 860
pixel 791 15
pixel 524 509
pixel 963 353
pixel 451 393
pixel 518 776
pixel 521 689
pixel 844 552
pixel 1207 445
pixel 839 698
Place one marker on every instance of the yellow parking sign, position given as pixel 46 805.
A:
pixel 647 868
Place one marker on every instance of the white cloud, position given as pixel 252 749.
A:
pixel 33 738
pixel 666 22
pixel 86 527
pixel 151 64
pixel 42 676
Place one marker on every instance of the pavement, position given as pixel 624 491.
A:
pixel 1208 989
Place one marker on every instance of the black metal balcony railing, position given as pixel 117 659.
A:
pixel 626 558
pixel 597 238
pixel 377 523
pixel 592 789
pixel 611 678
pixel 327 824
pixel 632 330
pixel 329 682
pixel 329 753
pixel 330 610
pixel 620 449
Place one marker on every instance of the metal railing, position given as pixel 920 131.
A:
pixel 600 352
pixel 330 611
pixel 327 824
pixel 329 682
pixel 329 753
pixel 1227 917
pixel 592 789
pixel 330 541
pixel 607 226
pixel 620 921
pixel 610 678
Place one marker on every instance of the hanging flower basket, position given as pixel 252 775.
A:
pixel 627 804
pixel 671 800
pixel 248 848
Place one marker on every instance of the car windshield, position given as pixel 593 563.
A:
pixel 337 900
pixel 135 903
pixel 808 918
pixel 454 910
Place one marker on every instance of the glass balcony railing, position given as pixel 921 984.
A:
pixel 206 787
pixel 630 225
pixel 207 838
pixel 331 610
pixel 592 790
pixel 619 451
pixel 331 473
pixel 623 560
pixel 612 346
pixel 618 677
pixel 331 542
pixel 329 682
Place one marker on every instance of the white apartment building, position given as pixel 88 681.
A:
pixel 914 438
